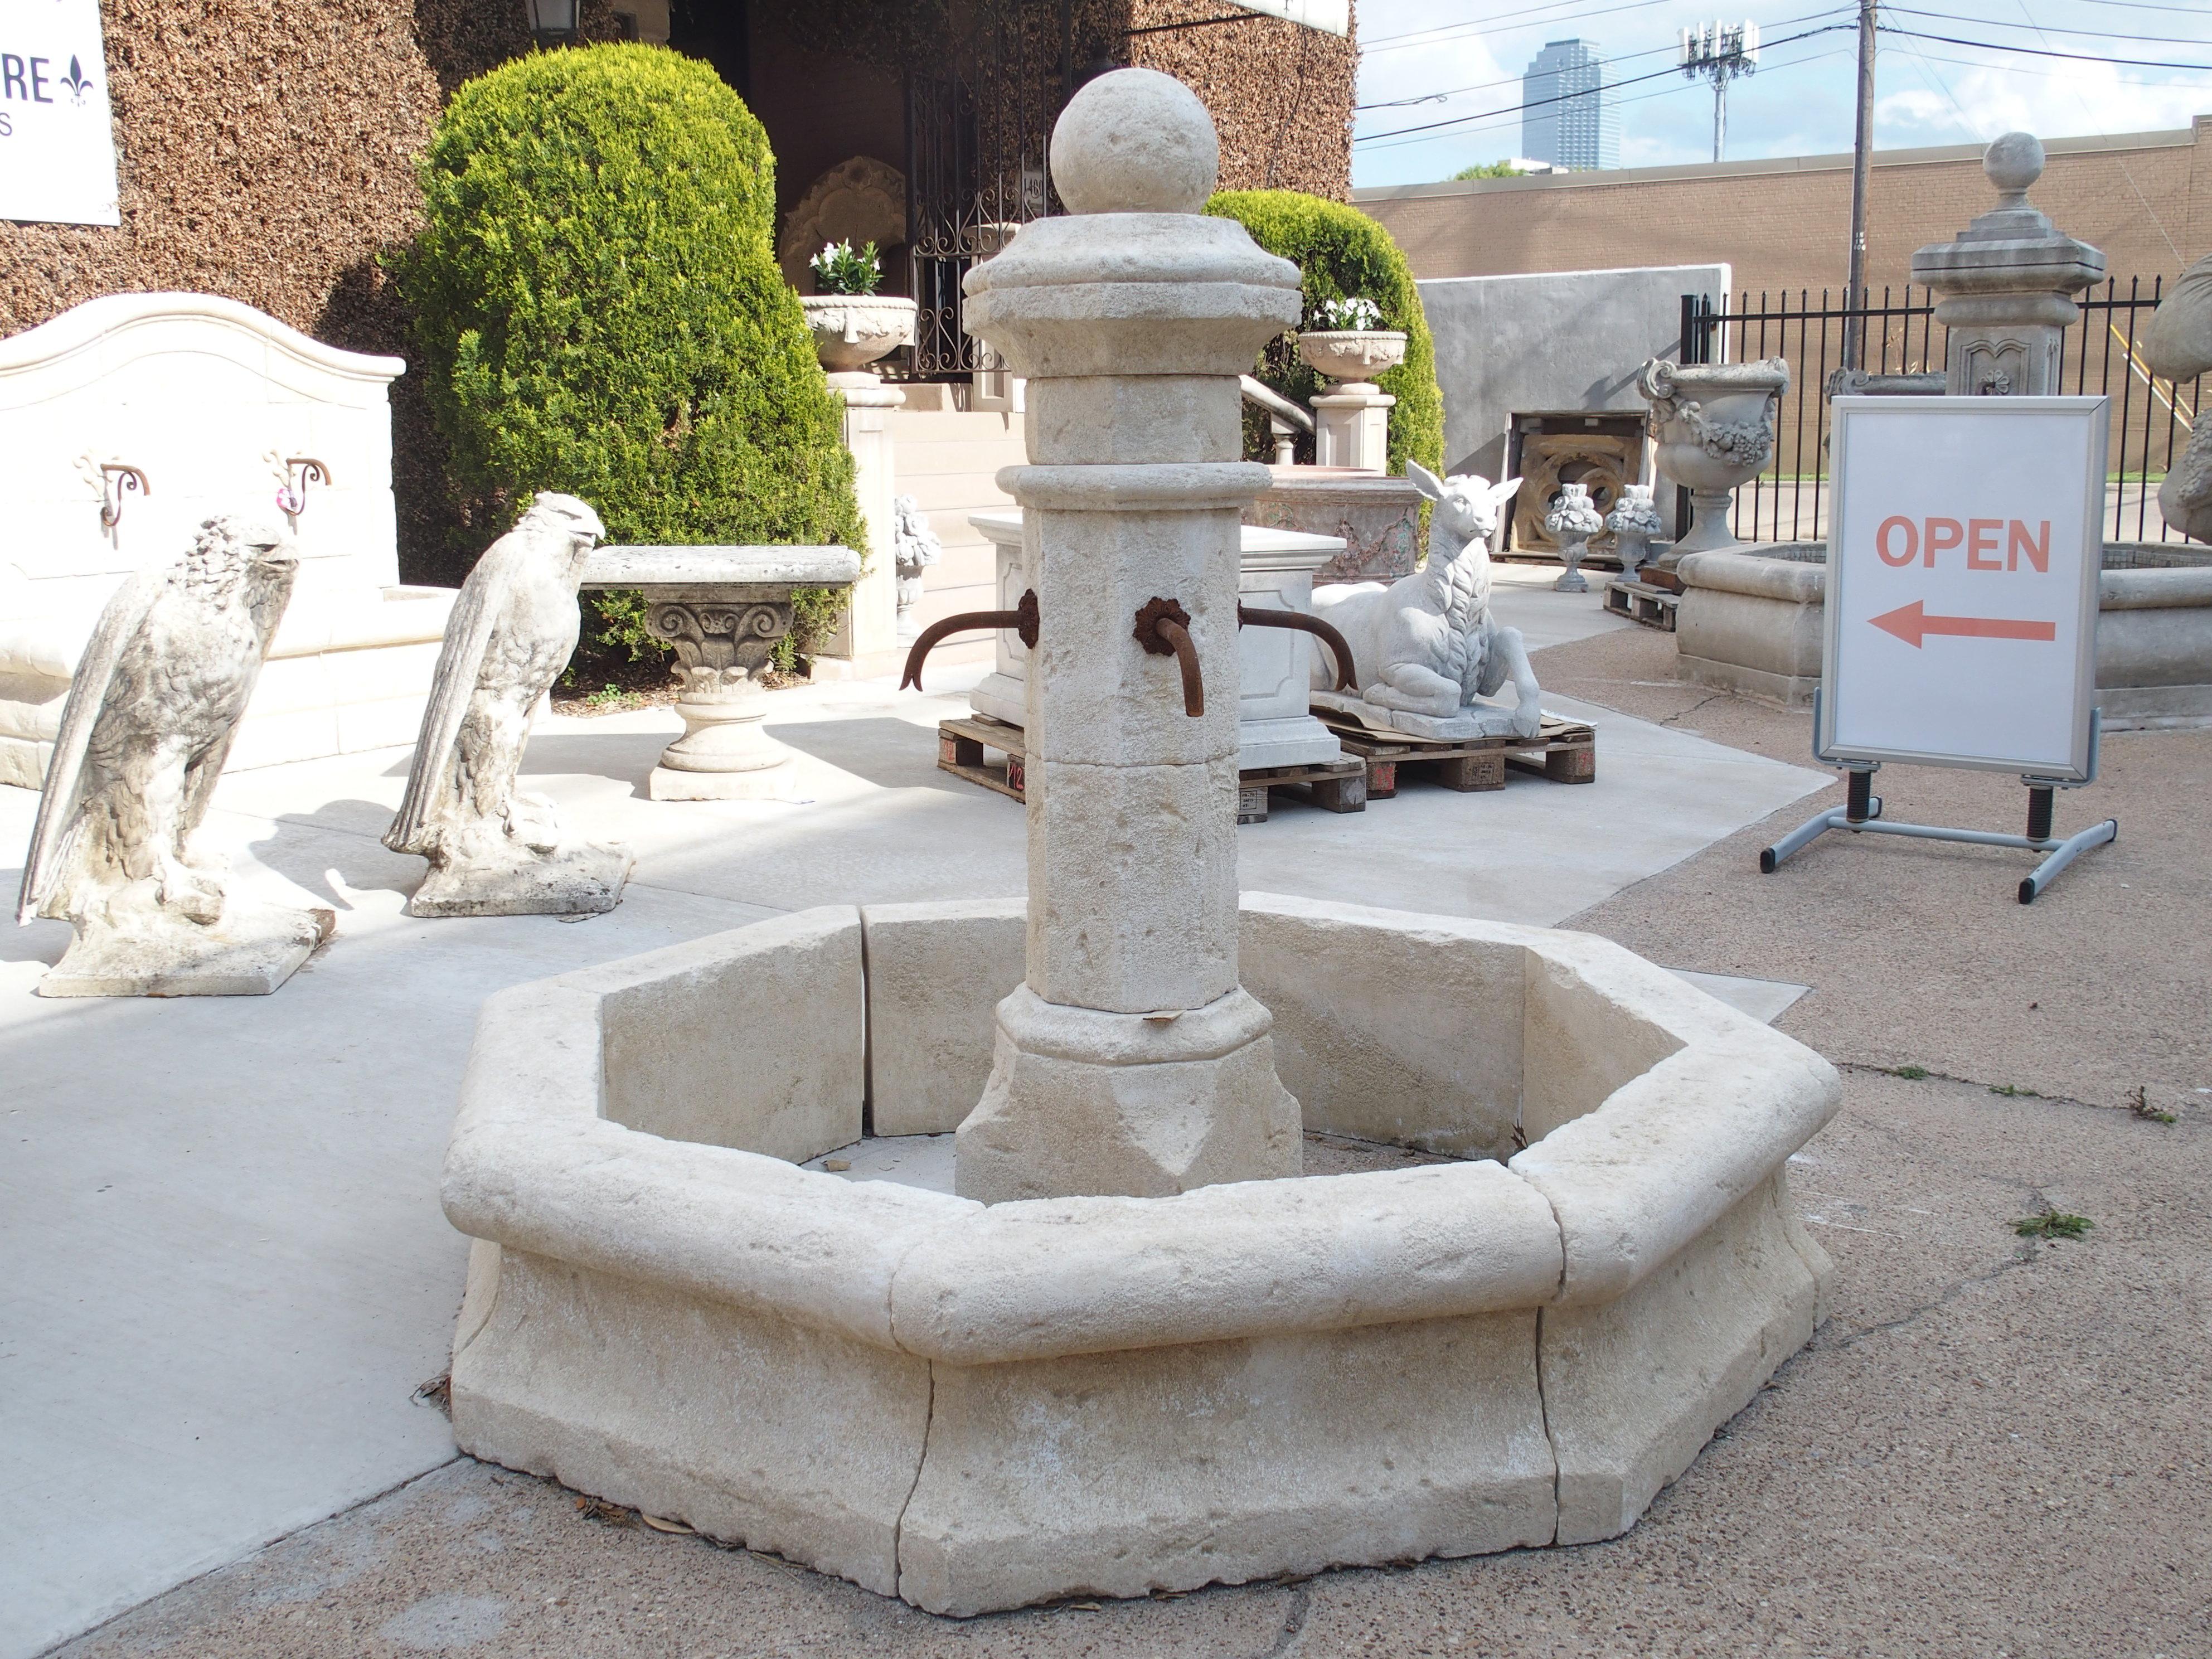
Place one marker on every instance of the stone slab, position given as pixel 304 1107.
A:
pixel 249 953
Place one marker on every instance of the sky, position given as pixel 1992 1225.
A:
pixel 1800 101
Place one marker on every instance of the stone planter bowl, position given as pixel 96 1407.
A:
pixel 1352 354
pixel 852 330
pixel 1754 621
pixel 978 1407
pixel 1713 424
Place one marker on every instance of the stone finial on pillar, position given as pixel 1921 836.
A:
pixel 1130 1060
pixel 2005 288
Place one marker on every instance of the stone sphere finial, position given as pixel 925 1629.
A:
pixel 1135 141
pixel 2012 163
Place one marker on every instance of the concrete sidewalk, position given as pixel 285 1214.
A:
pixel 227 1270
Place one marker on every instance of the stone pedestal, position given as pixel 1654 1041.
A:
pixel 1131 1061
pixel 870 625
pixel 1352 427
pixel 723 608
pixel 2005 287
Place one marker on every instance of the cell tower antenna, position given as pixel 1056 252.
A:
pixel 1720 52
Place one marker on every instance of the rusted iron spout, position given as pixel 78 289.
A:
pixel 1023 619
pixel 1163 629
pixel 1254 617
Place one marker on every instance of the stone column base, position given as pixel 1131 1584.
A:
pixel 723 755
pixel 1708 527
pixel 1081 1102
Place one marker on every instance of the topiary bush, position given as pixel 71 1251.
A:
pixel 598 309
pixel 1344 255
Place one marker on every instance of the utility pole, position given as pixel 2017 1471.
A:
pixel 1720 52
pixel 1862 159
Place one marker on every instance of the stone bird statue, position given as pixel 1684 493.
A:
pixel 148 723
pixel 494 850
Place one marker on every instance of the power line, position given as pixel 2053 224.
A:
pixel 1623 57
pixel 1538 103
pixel 2095 34
pixel 2044 52
pixel 1488 123
pixel 1512 19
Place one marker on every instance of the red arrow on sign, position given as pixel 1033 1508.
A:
pixel 1911 624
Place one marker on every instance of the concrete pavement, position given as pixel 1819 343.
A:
pixel 227 1269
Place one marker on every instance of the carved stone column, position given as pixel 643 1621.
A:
pixel 2006 287
pixel 1131 1060
pixel 723 608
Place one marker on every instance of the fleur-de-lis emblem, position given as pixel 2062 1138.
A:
pixel 76 82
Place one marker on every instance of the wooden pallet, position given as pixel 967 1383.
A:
pixel 1563 751
pixel 1338 786
pixel 1641 602
pixel 960 746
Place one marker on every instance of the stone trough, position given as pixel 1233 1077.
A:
pixel 1752 621
pixel 978 1406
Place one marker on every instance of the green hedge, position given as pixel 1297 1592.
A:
pixel 598 309
pixel 1344 255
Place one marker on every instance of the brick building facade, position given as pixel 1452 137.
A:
pixel 2144 198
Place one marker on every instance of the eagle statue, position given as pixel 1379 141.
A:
pixel 494 850
pixel 148 723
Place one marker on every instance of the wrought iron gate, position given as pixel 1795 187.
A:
pixel 976 160
pixel 2151 416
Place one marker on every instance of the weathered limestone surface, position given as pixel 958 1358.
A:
pixel 143 735
pixel 936 976
pixel 1211 1464
pixel 780 1001
pixel 1131 318
pixel 1633 1388
pixel 1389 1027
pixel 494 850
pixel 1110 1394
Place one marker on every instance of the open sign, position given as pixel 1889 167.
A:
pixel 1963 549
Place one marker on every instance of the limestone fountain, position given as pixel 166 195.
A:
pixel 1136 1348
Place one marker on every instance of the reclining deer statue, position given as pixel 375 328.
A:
pixel 1426 645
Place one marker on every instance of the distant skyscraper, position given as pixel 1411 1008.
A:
pixel 1573 119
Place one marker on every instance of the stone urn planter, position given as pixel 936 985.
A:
pixel 852 330
pixel 1574 520
pixel 1714 424
pixel 1633 521
pixel 1351 355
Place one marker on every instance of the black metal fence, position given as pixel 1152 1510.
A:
pixel 2152 418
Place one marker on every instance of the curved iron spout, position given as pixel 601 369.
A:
pixel 1023 619
pixel 1253 616
pixel 1163 629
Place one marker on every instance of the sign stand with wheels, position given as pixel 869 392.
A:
pixel 1961 606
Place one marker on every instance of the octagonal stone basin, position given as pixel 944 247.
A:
pixel 978 1407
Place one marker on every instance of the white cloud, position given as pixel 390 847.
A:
pixel 1800 103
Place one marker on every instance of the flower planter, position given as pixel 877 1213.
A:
pixel 1351 355
pixel 852 330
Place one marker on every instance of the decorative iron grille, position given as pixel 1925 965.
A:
pixel 2152 418
pixel 976 147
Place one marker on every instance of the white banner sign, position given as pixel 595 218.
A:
pixel 1963 555
pixel 56 144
